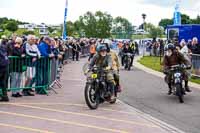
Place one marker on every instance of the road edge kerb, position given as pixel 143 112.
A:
pixel 156 73
pixel 167 127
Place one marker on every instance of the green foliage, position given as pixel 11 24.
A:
pixel 50 29
pixel 122 28
pixel 185 19
pixel 165 22
pixel 70 28
pixel 7 33
pixel 94 25
pixel 154 31
pixel 196 21
pixel 151 62
pixel 12 26
pixel 28 32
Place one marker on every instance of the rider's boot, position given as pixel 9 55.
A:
pixel 170 89
pixel 187 87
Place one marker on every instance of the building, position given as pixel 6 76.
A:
pixel 43 28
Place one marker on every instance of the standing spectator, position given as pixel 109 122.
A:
pixel 185 51
pixel 189 45
pixel 16 67
pixel 82 45
pixel 75 50
pixel 45 47
pixel 155 48
pixel 4 41
pixel 196 55
pixel 45 50
pixel 11 43
pixel 161 47
pixel 33 53
pixel 4 73
pixel 136 48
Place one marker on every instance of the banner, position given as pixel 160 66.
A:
pixel 65 20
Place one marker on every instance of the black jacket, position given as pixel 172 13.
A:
pixel 17 62
pixel 195 49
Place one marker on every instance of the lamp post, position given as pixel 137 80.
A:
pixel 144 18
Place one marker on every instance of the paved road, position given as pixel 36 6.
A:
pixel 66 112
pixel 148 93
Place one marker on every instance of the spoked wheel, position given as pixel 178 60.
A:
pixel 91 98
pixel 180 93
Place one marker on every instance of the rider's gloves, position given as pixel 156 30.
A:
pixel 86 71
pixel 108 68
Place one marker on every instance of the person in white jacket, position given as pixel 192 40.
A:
pixel 34 54
pixel 185 51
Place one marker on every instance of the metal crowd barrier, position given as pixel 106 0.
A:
pixel 29 73
pixel 195 60
pixel 85 51
pixel 39 74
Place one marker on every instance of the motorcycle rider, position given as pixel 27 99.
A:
pixel 115 65
pixel 125 50
pixel 132 47
pixel 103 60
pixel 173 57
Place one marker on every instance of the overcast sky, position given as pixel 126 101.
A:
pixel 52 11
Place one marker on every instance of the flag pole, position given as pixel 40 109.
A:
pixel 64 35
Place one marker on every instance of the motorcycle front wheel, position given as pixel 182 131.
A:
pixel 179 92
pixel 91 97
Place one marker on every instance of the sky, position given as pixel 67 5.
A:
pixel 52 11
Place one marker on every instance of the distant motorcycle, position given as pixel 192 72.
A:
pixel 177 81
pixel 127 61
pixel 97 90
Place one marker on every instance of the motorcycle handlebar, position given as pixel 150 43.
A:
pixel 180 66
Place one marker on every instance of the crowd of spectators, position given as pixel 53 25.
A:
pixel 25 60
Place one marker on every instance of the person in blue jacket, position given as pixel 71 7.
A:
pixel 43 65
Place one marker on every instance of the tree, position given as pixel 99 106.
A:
pixel 165 22
pixel 104 24
pixel 196 21
pixel 70 28
pixel 154 31
pixel 94 25
pixel 88 24
pixel 50 29
pixel 185 19
pixel 122 27
pixel 12 26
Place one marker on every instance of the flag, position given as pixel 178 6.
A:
pixel 177 13
pixel 65 19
